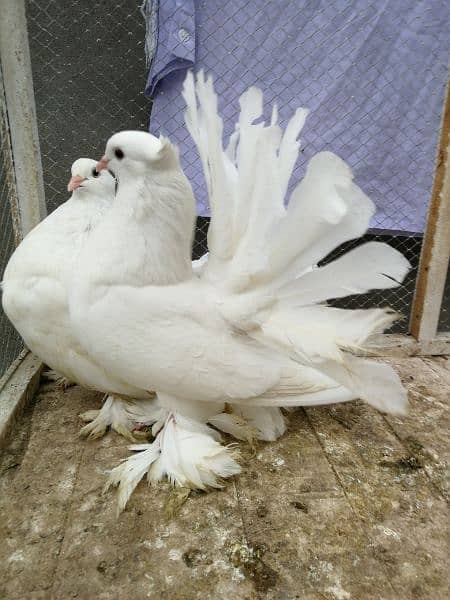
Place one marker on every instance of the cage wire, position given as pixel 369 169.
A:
pixel 10 342
pixel 90 65
pixel 444 317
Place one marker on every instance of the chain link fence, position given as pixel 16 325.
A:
pixel 444 318
pixel 373 75
pixel 10 342
pixel 89 68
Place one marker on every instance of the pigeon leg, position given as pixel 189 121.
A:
pixel 120 414
pixel 188 453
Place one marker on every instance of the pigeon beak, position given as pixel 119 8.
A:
pixel 75 183
pixel 102 164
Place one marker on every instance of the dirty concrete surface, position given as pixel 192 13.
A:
pixel 349 504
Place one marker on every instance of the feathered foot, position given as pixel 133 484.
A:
pixel 61 381
pixel 119 414
pixel 251 423
pixel 188 453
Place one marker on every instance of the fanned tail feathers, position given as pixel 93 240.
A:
pixel 264 257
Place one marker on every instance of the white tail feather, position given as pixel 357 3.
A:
pixel 205 127
pixel 378 384
pixel 326 209
pixel 265 258
pixel 371 266
pixel 312 333
pixel 333 395
pixel 289 148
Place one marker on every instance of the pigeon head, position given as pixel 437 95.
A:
pixel 136 153
pixel 85 177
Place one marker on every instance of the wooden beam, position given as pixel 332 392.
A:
pixel 21 111
pixel 8 165
pixel 16 392
pixel 436 243
pixel 405 345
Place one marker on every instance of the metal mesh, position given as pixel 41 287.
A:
pixel 374 80
pixel 444 318
pixel 89 71
pixel 400 299
pixel 372 75
pixel 10 342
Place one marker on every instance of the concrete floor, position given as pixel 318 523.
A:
pixel 349 504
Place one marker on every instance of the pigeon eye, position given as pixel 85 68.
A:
pixel 95 173
pixel 118 153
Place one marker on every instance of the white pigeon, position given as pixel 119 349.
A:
pixel 253 329
pixel 35 297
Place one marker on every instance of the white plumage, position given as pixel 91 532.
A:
pixel 35 300
pixel 251 328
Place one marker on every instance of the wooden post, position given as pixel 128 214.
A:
pixel 20 145
pixel 436 243
pixel 21 112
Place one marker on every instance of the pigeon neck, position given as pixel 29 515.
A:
pixel 81 195
pixel 146 238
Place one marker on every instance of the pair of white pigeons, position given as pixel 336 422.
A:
pixel 105 293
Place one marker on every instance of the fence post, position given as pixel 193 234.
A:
pixel 436 243
pixel 21 113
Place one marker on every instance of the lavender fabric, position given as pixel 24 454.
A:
pixel 373 75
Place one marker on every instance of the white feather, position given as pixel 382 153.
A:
pixel 311 333
pixel 268 422
pixel 371 266
pixel 234 425
pixel 289 148
pixel 250 331
pixel 206 127
pixel 378 384
pixel 249 423
pixel 198 266
pixel 35 279
pixel 184 451
pixel 326 209
pixel 35 299
pixel 130 472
